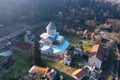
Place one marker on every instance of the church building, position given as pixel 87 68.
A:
pixel 52 42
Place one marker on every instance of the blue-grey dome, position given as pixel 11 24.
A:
pixel 51 26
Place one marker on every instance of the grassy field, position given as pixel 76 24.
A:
pixel 87 46
pixel 24 63
pixel 60 67
pixel 21 66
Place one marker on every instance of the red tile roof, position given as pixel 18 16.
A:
pixel 79 73
pixel 46 71
pixel 97 51
pixel 36 69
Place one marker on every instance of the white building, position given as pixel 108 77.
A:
pixel 79 49
pixel 52 42
pixel 96 56
pixel 29 37
pixel 67 58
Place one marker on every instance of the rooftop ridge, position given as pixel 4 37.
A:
pixel 51 26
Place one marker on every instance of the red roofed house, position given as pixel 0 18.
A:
pixel 79 74
pixel 48 72
pixel 96 55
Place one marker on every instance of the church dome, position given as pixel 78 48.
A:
pixel 51 26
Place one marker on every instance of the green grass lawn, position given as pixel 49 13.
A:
pixel 24 63
pixel 63 69
pixel 73 39
pixel 21 66
pixel 87 46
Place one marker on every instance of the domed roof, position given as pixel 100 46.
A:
pixel 51 26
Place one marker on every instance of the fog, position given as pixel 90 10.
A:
pixel 114 0
pixel 13 9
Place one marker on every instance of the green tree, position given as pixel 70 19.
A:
pixel 36 54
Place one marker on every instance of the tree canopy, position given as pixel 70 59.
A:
pixel 36 54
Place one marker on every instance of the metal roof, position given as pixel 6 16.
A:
pixel 64 46
pixel 51 26
pixel 61 49
pixel 6 53
pixel 59 38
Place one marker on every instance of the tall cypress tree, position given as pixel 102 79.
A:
pixel 36 54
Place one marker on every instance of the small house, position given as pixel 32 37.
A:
pixel 47 72
pixel 29 37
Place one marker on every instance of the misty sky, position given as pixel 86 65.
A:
pixel 13 8
pixel 9 9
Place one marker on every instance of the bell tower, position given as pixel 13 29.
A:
pixel 51 28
